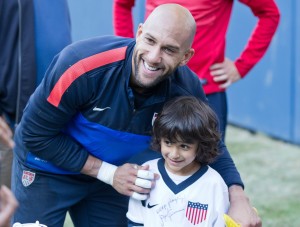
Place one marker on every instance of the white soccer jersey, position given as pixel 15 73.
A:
pixel 200 200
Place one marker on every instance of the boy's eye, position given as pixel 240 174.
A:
pixel 168 142
pixel 184 146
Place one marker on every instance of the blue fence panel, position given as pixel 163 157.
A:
pixel 94 17
pixel 90 18
pixel 264 100
pixel 297 73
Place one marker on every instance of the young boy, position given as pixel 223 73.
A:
pixel 188 192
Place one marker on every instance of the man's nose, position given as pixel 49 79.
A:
pixel 154 55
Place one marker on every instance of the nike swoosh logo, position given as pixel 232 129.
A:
pixel 101 109
pixel 151 206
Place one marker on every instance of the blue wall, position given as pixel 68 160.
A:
pixel 296 117
pixel 268 99
pixel 94 17
pixel 90 18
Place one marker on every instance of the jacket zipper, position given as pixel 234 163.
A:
pixel 19 64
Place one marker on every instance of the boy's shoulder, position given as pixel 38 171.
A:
pixel 212 174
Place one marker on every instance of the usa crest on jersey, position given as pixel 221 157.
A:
pixel 27 178
pixel 196 212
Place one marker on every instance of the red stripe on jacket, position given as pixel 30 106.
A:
pixel 81 67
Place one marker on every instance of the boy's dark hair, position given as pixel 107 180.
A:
pixel 188 119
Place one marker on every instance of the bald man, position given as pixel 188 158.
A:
pixel 88 125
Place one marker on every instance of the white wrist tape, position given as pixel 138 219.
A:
pixel 139 196
pixel 106 173
pixel 145 174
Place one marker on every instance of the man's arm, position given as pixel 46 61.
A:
pixel 122 18
pixel 240 208
pixel 122 178
pixel 225 166
pixel 229 72
pixel 268 16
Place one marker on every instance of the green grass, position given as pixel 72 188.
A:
pixel 270 170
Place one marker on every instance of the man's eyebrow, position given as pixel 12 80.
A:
pixel 148 35
pixel 174 48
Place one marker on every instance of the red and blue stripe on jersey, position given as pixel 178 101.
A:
pixel 77 70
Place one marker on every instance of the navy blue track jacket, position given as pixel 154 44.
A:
pixel 85 105
pixel 28 43
pixel 17 57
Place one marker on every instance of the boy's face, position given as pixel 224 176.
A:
pixel 180 156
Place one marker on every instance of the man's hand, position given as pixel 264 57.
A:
pixel 225 73
pixel 128 179
pixel 240 209
pixel 8 205
pixel 133 180
pixel 5 134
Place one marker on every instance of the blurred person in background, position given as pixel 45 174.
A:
pixel 8 205
pixel 215 71
pixel 5 135
pixel 8 202
pixel 32 32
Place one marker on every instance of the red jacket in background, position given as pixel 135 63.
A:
pixel 212 18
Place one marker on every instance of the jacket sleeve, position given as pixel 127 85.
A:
pixel 122 18
pixel 268 16
pixel 43 122
pixel 225 166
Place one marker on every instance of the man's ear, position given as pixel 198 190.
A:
pixel 139 30
pixel 187 56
